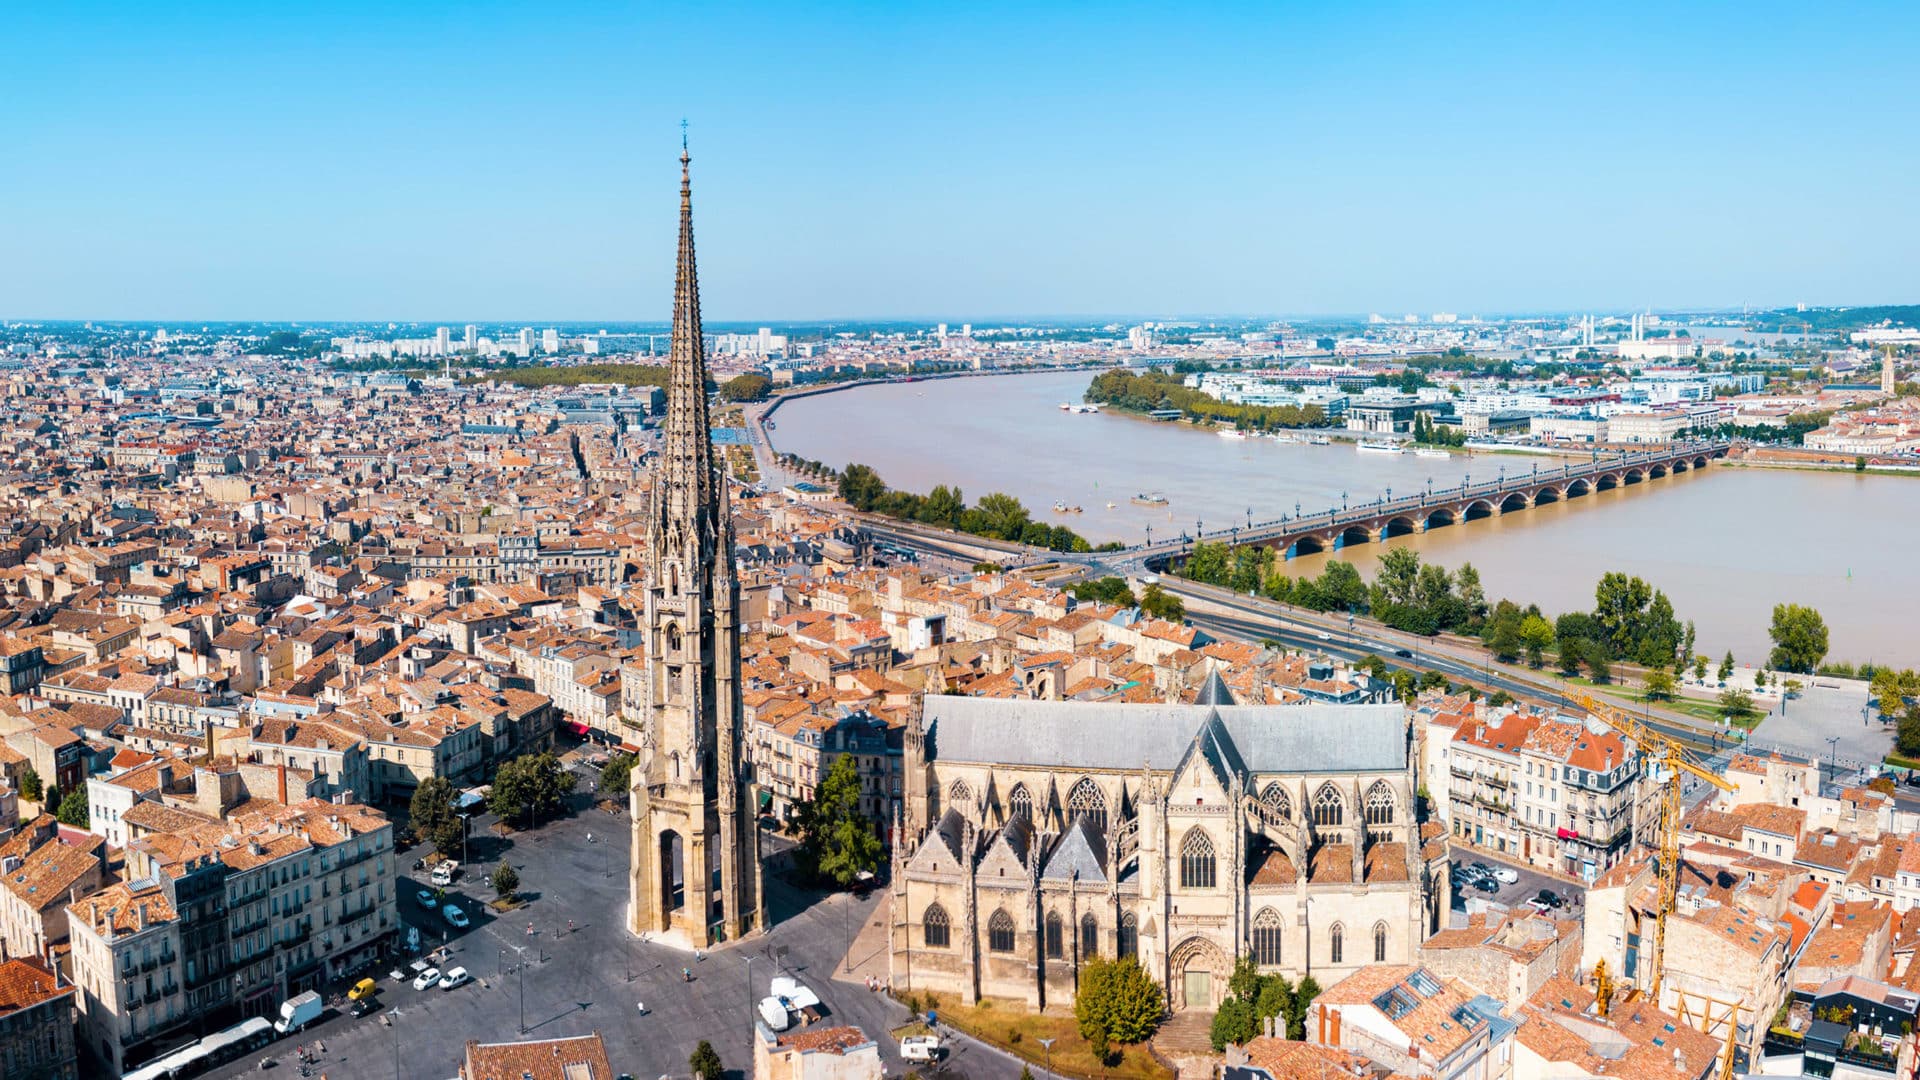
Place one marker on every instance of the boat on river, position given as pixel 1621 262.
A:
pixel 1150 498
pixel 1319 440
pixel 1369 446
pixel 1430 452
pixel 1233 433
pixel 1063 508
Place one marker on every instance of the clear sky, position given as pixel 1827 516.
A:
pixel 475 161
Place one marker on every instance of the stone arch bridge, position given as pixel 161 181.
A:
pixel 1386 517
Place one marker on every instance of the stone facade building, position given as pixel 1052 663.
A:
pixel 1039 834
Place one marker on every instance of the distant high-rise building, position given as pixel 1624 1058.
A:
pixel 550 341
pixel 966 329
pixel 443 340
pixel 473 337
pixel 942 332
pixel 526 341
pixel 1886 371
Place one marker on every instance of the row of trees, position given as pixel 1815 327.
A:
pixel 1150 390
pixel 1426 431
pixel 1253 997
pixel 999 515
pixel 752 386
pixel 528 787
pixel 1154 601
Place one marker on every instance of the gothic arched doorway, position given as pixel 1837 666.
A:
pixel 1200 971
pixel 673 872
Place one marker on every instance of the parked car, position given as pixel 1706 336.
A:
pixel 455 978
pixel 456 917
pixel 1486 885
pixel 362 990
pixel 1407 653
pixel 1550 898
pixel 920 1048
pixel 1506 876
pixel 429 977
pixel 363 1007
pixel 427 899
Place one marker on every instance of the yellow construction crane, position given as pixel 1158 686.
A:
pixel 1672 761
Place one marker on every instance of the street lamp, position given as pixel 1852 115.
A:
pixel 1249 517
pixel 1343 500
pixel 1048 1043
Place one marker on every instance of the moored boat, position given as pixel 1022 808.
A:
pixel 1369 446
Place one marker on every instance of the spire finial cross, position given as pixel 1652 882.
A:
pixel 683 138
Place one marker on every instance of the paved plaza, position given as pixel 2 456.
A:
pixel 590 978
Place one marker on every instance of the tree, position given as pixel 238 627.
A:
pixel 1536 634
pixel 861 487
pixel 752 386
pixel 1659 685
pixel 1000 515
pixel 1799 638
pixel 944 506
pixel 506 882
pixel 1726 666
pixel 1736 703
pixel 837 840
pixel 705 1062
pixel 617 774
pixel 1157 603
pixel 1597 667
pixel 1303 996
pixel 1234 1024
pixel 1106 590
pixel 1118 1002
pixel 1208 563
pixel 1793 687
pixel 433 818
pixel 73 807
pixel 30 785
pixel 529 786
pixel 1700 668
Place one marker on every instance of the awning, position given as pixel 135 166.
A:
pixel 576 727
pixel 766 799
pixel 1568 834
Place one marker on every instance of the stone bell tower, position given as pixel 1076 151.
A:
pixel 696 866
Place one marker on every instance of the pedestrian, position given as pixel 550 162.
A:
pixel 569 926
pixel 529 929
pixel 642 1006
pixel 686 974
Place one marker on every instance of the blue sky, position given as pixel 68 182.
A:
pixel 516 161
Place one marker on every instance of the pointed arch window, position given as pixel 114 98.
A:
pixel 1000 931
pixel 1056 936
pixel 1379 943
pixel 1129 943
pixel 1266 937
pixel 1276 801
pixel 1086 801
pixel 1089 937
pixel 1197 860
pixel 1020 803
pixel 1379 804
pixel 933 927
pixel 959 795
pixel 1336 941
pixel 1329 809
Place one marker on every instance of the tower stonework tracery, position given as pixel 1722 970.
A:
pixel 696 870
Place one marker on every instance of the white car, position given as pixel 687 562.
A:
pixel 429 977
pixel 455 916
pixel 456 977
pixel 1506 876
pixel 1324 636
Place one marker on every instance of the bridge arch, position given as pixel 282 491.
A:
pixel 1577 488
pixel 1354 534
pixel 1399 526
pixel 1657 469
pixel 1700 462
pixel 1477 509
pixel 1516 500
pixel 1441 515
pixel 1633 475
pixel 1546 495
pixel 1603 481
pixel 1308 544
pixel 1680 465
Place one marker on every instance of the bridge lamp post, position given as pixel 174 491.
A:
pixel 1149 534
pixel 1249 517
pixel 1296 508
pixel 1343 500
pixel 1389 494
pixel 1198 530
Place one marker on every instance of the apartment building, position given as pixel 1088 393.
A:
pixel 36 1022
pixel 126 956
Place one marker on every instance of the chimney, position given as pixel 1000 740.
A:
pixel 140 916
pixel 283 784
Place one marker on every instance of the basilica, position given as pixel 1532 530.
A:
pixel 1039 834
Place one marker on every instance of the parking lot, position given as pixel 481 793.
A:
pixel 563 980
pixel 1512 895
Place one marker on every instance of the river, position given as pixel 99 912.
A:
pixel 1725 543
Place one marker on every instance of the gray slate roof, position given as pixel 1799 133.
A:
pixel 1077 735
